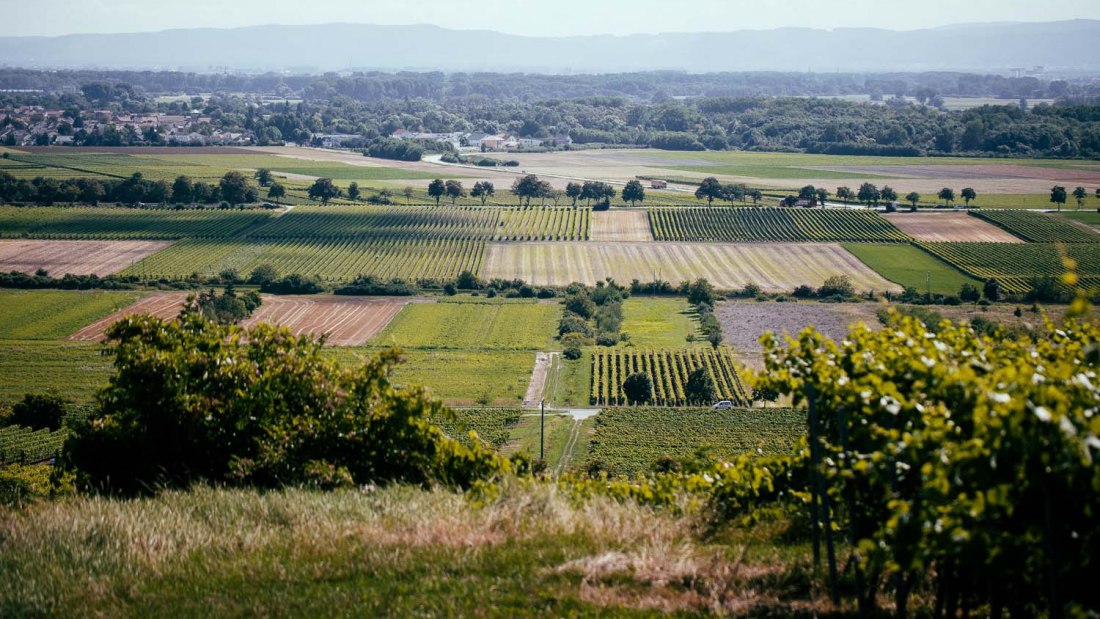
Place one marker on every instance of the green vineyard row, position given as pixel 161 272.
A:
pixel 668 371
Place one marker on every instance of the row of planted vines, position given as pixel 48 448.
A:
pixel 1015 265
pixel 110 223
pixel 1038 227
pixel 668 370
pixel 499 224
pixel 771 224
pixel 20 444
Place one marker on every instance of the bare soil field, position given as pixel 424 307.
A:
pixel 620 225
pixel 75 257
pixel 348 321
pixel 950 227
pixel 773 267
pixel 743 322
pixel 163 305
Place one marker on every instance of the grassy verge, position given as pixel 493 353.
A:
pixel 908 266
pixel 568 383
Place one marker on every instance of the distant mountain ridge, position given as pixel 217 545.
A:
pixel 1058 46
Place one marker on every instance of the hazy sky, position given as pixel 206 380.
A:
pixel 528 17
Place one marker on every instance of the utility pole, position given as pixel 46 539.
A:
pixel 542 430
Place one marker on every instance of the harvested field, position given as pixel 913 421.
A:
pixel 950 227
pixel 75 257
pixel 163 305
pixel 743 322
pixel 620 226
pixel 348 321
pixel 773 267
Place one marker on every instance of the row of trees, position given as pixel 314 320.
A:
pixel 233 188
pixel 1058 195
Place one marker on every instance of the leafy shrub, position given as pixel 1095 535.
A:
pixel 293 284
pixel 38 411
pixel 193 401
pixel 572 353
pixel 837 285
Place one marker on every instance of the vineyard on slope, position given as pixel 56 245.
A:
pixel 1037 227
pixel 772 224
pixel 1013 265
pixel 668 370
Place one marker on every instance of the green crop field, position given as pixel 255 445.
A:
pixel 19 444
pixel 631 440
pixel 659 323
pixel 1091 218
pixel 910 267
pixel 330 259
pixel 771 224
pixel 775 172
pixel 668 371
pixel 522 223
pixel 1014 264
pixel 55 314
pixel 74 370
pixel 104 223
pixel 1038 227
pixel 473 325
pixel 493 425
pixel 459 377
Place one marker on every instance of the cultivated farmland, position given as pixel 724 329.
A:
pixel 1038 227
pixel 774 266
pixel 911 267
pixel 1013 265
pixel 620 225
pixel 348 321
pixel 104 223
pixel 949 227
pixel 628 441
pixel 74 257
pixel 771 224
pixel 330 259
pixel 54 314
pixel 164 305
pixel 19 444
pixel 473 325
pixel 669 372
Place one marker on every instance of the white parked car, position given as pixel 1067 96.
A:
pixel 723 405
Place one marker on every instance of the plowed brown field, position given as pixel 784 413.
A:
pixel 348 321
pixel 620 226
pixel 950 228
pixel 773 266
pixel 162 305
pixel 75 257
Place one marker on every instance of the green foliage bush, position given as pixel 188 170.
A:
pixel 193 401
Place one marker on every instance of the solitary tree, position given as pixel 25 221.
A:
pixel 483 190
pixel 633 192
pixel 946 194
pixel 1080 193
pixel 809 192
pixel 1098 193
pixel 353 191
pixel 845 194
pixel 991 289
pixel 888 194
pixel 527 187
pixel 913 198
pixel 638 388
pixel 598 191
pixel 699 388
pixel 234 187
pixel 868 194
pixel 822 195
pixel 323 189
pixel 276 191
pixel 408 193
pixel 573 191
pixel 263 177
pixel 756 196
pixel 436 189
pixel 455 190
pixel 968 194
pixel 710 189
pixel 182 190
pixel 1058 195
